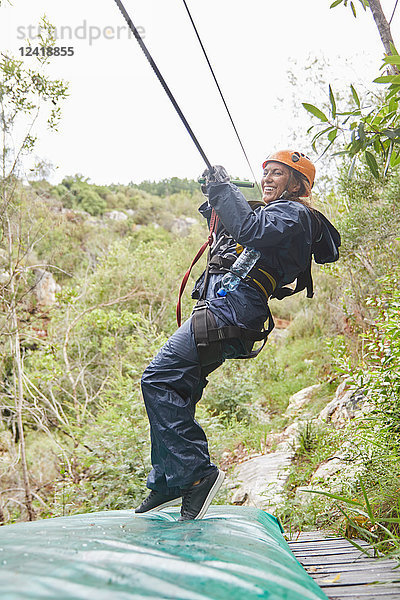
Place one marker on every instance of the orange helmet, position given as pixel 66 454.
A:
pixel 296 160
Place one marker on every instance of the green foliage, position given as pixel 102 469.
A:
pixel 369 222
pixel 379 374
pixel 168 187
pixel 368 130
pixel 112 460
pixel 143 201
pixel 370 509
pixel 364 4
pixel 233 398
pixel 90 201
pixel 65 195
pixel 307 438
pixel 22 93
pixel 76 192
pixel 376 520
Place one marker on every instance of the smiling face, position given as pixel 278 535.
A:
pixel 277 178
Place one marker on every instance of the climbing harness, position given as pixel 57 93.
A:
pixel 209 337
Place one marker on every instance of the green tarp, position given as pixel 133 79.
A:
pixel 234 553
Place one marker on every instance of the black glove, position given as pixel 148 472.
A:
pixel 217 174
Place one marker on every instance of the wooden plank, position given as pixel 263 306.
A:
pixel 327 547
pixel 342 571
pixel 339 543
pixel 362 594
pixel 363 591
pixel 314 561
pixel 354 577
pixel 310 540
pixel 332 551
pixel 344 568
pixel 309 536
pixel 350 554
pixel 371 563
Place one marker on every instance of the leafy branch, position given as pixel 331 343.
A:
pixel 370 130
pixel 364 4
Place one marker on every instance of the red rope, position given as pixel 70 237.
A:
pixel 213 225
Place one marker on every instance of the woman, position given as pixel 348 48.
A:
pixel 286 231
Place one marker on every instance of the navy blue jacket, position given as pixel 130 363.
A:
pixel 283 230
pixel 286 232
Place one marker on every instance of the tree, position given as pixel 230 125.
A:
pixel 24 93
pixel 371 127
pixel 379 17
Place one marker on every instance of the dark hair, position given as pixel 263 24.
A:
pixel 303 195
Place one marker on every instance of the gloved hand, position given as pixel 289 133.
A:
pixel 217 174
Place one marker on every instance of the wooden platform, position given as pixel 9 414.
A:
pixel 343 572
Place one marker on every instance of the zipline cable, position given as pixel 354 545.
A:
pixel 221 94
pixel 394 10
pixel 161 80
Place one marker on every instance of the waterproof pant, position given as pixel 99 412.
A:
pixel 172 385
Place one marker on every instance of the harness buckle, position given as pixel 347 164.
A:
pixel 201 305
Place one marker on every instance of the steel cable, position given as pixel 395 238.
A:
pixel 221 94
pixel 162 80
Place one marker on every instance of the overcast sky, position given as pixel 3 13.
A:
pixel 119 126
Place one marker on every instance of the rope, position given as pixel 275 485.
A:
pixel 213 227
pixel 221 94
pixel 161 80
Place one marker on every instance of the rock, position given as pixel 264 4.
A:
pixel 335 473
pixel 116 215
pixel 261 481
pixel 182 226
pixel 300 399
pixel 289 438
pixel 346 405
pixel 96 222
pixel 45 288
pixel 74 216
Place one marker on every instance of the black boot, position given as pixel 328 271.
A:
pixel 198 497
pixel 157 500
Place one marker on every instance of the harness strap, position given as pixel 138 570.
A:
pixel 258 277
pixel 213 226
pixel 203 322
pixel 209 338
